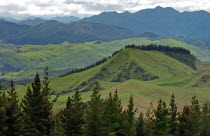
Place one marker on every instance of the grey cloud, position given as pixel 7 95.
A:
pixel 103 7
pixel 91 8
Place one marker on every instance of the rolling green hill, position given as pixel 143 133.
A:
pixel 22 62
pixel 148 75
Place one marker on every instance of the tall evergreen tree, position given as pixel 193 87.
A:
pixel 205 120
pixel 130 113
pixel 37 107
pixel 183 126
pixel 149 120
pixel 140 126
pixel 112 118
pixel 73 115
pixel 173 116
pixel 190 119
pixel 194 120
pixel 13 113
pixel 160 127
pixel 94 113
pixel 3 100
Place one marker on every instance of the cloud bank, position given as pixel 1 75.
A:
pixel 83 8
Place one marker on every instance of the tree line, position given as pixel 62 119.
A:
pixel 33 115
pixel 179 53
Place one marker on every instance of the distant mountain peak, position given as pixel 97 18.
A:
pixel 165 9
pixel 159 7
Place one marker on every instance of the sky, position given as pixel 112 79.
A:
pixel 83 8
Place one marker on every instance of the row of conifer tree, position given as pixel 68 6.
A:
pixel 33 115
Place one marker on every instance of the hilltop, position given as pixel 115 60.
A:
pixel 128 64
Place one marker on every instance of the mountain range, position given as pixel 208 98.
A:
pixel 38 20
pixel 164 21
pixel 54 32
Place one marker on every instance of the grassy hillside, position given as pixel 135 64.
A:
pixel 129 67
pixel 22 62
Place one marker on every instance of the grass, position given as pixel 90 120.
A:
pixel 65 56
pixel 174 77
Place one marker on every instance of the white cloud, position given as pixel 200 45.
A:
pixel 83 8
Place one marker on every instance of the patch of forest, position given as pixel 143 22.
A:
pixel 179 53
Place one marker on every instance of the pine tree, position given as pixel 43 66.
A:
pixel 194 120
pixel 149 120
pixel 38 107
pixel 3 100
pixel 13 113
pixel 94 113
pixel 112 117
pixel 173 116
pixel 183 126
pixel 191 119
pixel 160 127
pixel 130 113
pixel 140 125
pixel 73 115
pixel 205 120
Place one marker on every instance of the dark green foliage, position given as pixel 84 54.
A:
pixel 173 113
pixel 98 117
pixel 94 113
pixel 194 119
pixel 129 122
pixel 205 119
pixel 11 114
pixel 73 115
pixel 3 101
pixel 161 126
pixel 149 120
pixel 190 119
pixel 140 125
pixel 183 124
pixel 113 116
pixel 179 53
pixel 37 107
pixel 184 58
